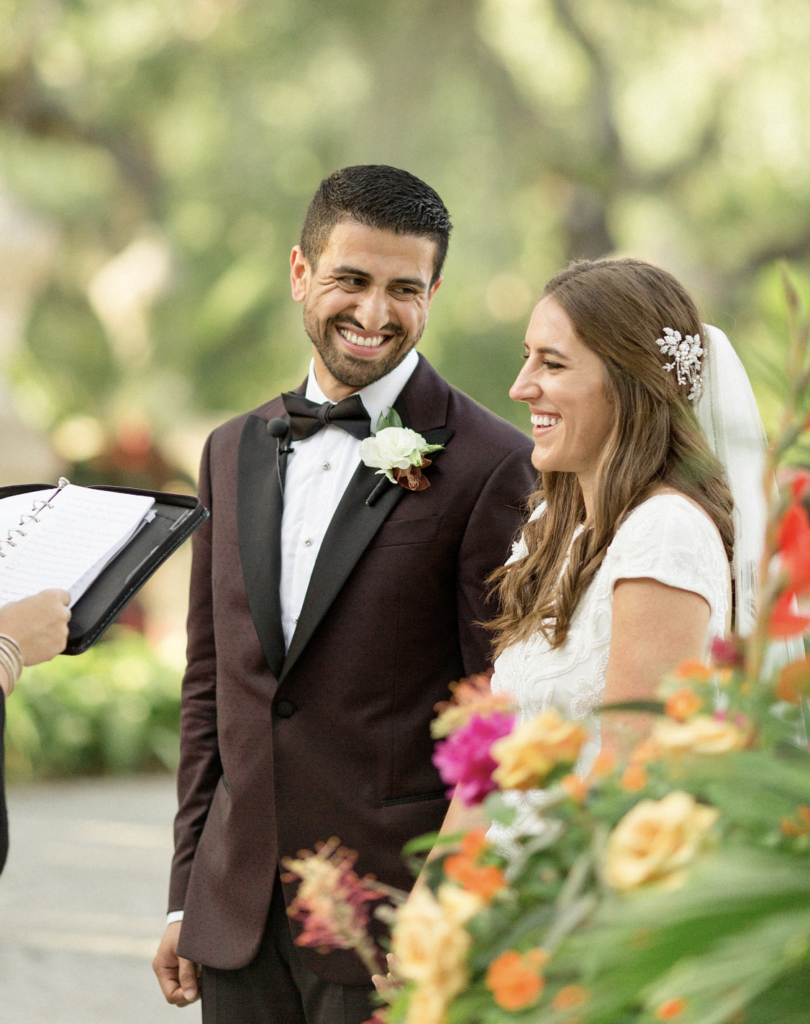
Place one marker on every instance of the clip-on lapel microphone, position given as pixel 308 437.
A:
pixel 280 430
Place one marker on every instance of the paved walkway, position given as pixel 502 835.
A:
pixel 82 903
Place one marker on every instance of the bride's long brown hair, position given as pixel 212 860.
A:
pixel 618 307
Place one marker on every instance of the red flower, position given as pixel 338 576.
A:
pixel 784 620
pixel 801 481
pixel 793 541
pixel 727 652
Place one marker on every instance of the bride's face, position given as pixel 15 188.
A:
pixel 564 384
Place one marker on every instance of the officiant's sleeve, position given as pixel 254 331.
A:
pixel 3 817
pixel 495 523
pixel 200 767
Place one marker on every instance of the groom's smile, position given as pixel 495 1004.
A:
pixel 362 343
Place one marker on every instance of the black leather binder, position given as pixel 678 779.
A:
pixel 177 516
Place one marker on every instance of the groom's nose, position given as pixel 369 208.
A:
pixel 372 310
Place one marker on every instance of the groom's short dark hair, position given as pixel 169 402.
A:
pixel 380 197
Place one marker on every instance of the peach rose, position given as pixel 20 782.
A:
pixel 656 839
pixel 700 735
pixel 534 748
pixel 431 946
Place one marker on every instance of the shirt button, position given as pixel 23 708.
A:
pixel 307 543
pixel 284 709
pixel 326 466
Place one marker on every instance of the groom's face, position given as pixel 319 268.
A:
pixel 366 300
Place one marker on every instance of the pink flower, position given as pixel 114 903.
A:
pixel 464 758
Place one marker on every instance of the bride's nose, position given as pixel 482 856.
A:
pixel 525 388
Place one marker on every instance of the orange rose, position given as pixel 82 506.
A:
pixel 682 705
pixel 794 681
pixel 575 787
pixel 671 1009
pixel 634 778
pixel 800 827
pixel 604 764
pixel 474 843
pixel 695 669
pixel 485 881
pixel 570 997
pixel 514 980
pixel 527 755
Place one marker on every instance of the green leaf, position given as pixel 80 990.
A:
pixel 498 810
pixel 392 419
pixel 654 707
pixel 425 843
pixel 722 980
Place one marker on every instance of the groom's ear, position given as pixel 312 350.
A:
pixel 300 274
pixel 431 292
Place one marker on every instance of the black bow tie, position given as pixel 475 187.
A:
pixel 307 418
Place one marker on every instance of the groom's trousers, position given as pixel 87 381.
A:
pixel 276 989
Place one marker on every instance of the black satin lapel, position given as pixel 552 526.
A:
pixel 259 509
pixel 350 532
pixel 352 529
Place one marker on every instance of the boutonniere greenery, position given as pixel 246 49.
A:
pixel 398 453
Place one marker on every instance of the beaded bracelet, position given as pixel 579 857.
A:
pixel 11 659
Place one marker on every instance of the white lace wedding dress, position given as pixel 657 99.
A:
pixel 666 539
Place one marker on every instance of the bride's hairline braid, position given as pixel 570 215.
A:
pixel 528 603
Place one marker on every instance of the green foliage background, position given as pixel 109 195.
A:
pixel 675 130
pixel 672 129
pixel 114 709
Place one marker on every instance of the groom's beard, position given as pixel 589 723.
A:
pixel 351 370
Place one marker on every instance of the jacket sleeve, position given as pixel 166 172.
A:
pixel 495 522
pixel 200 767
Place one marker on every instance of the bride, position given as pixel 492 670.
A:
pixel 624 569
pixel 644 423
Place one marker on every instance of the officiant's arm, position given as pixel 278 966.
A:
pixel 494 524
pixel 655 628
pixel 39 627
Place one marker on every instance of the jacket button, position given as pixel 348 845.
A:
pixel 284 709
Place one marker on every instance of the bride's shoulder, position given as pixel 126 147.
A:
pixel 667 520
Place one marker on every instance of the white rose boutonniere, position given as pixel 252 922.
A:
pixel 398 453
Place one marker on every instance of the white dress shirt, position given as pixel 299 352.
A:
pixel 318 472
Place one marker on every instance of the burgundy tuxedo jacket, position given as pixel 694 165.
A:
pixel 331 738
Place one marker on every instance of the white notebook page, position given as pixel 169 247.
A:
pixel 72 542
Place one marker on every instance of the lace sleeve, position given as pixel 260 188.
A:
pixel 669 540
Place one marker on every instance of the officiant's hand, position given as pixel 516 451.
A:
pixel 177 976
pixel 39 624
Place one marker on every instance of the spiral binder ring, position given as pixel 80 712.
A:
pixel 37 507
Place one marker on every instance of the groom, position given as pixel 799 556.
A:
pixel 330 609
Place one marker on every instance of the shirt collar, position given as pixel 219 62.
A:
pixel 377 397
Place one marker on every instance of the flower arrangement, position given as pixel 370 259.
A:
pixel 672 887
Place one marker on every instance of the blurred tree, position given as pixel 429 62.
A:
pixel 175 144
